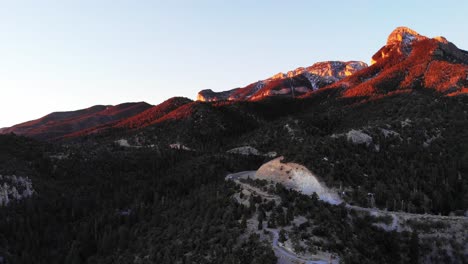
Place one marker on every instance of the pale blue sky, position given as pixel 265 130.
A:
pixel 65 55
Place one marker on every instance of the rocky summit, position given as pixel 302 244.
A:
pixel 410 61
pixel 293 83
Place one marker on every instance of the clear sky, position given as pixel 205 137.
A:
pixel 66 55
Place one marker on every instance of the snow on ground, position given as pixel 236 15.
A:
pixel 296 177
pixel 14 188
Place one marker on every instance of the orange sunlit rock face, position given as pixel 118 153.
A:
pixel 287 84
pixel 443 76
pixel 441 39
pixel 349 70
pixel 407 62
pixel 201 98
pixel 403 34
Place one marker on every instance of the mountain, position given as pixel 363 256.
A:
pixel 379 176
pixel 59 124
pixel 293 83
pixel 410 61
pixel 151 115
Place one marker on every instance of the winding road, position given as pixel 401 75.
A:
pixel 286 257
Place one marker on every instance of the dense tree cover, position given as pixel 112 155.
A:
pixel 96 202
pixel 420 166
pixel 121 206
pixel 355 238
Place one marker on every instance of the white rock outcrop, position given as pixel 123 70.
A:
pixel 358 137
pixel 355 136
pixel 297 177
pixel 248 150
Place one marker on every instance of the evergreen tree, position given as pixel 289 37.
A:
pixel 414 248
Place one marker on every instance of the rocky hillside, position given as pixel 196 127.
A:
pixel 150 187
pixel 151 115
pixel 60 124
pixel 410 61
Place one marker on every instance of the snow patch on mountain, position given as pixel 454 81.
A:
pixel 319 75
pixel 403 35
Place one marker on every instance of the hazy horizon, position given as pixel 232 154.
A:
pixel 59 56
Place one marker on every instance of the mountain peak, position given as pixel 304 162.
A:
pixel 403 34
pixel 410 60
pixel 400 41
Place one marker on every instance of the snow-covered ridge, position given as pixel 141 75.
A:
pixel 14 188
pixel 335 69
pixel 319 74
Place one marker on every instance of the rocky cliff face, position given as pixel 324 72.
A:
pixel 410 61
pixel 407 61
pixel 297 177
pixel 292 83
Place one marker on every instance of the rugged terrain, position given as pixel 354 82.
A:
pixel 137 183
pixel 293 83
pixel 410 61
